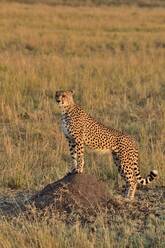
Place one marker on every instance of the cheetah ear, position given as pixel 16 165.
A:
pixel 72 92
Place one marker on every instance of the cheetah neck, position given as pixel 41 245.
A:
pixel 67 109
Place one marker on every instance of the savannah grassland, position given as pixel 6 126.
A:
pixel 114 58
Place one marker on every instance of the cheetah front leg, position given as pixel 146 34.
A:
pixel 80 156
pixel 73 153
pixel 77 155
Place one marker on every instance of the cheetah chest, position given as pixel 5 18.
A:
pixel 65 128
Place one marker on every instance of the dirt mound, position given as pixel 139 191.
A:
pixel 79 192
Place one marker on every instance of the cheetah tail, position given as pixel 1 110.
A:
pixel 153 174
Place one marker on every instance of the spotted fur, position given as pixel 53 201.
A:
pixel 81 129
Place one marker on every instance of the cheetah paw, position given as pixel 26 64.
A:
pixel 74 171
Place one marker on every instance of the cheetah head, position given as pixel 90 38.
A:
pixel 64 98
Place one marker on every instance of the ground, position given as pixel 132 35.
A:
pixel 114 59
pixel 83 198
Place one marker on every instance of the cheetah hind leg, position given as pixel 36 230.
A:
pixel 131 181
pixel 130 189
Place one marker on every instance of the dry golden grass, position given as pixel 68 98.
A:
pixel 114 57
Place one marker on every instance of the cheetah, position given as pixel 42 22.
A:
pixel 81 129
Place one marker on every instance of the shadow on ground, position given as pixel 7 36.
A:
pixel 13 203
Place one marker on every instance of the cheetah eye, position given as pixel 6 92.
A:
pixel 63 96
